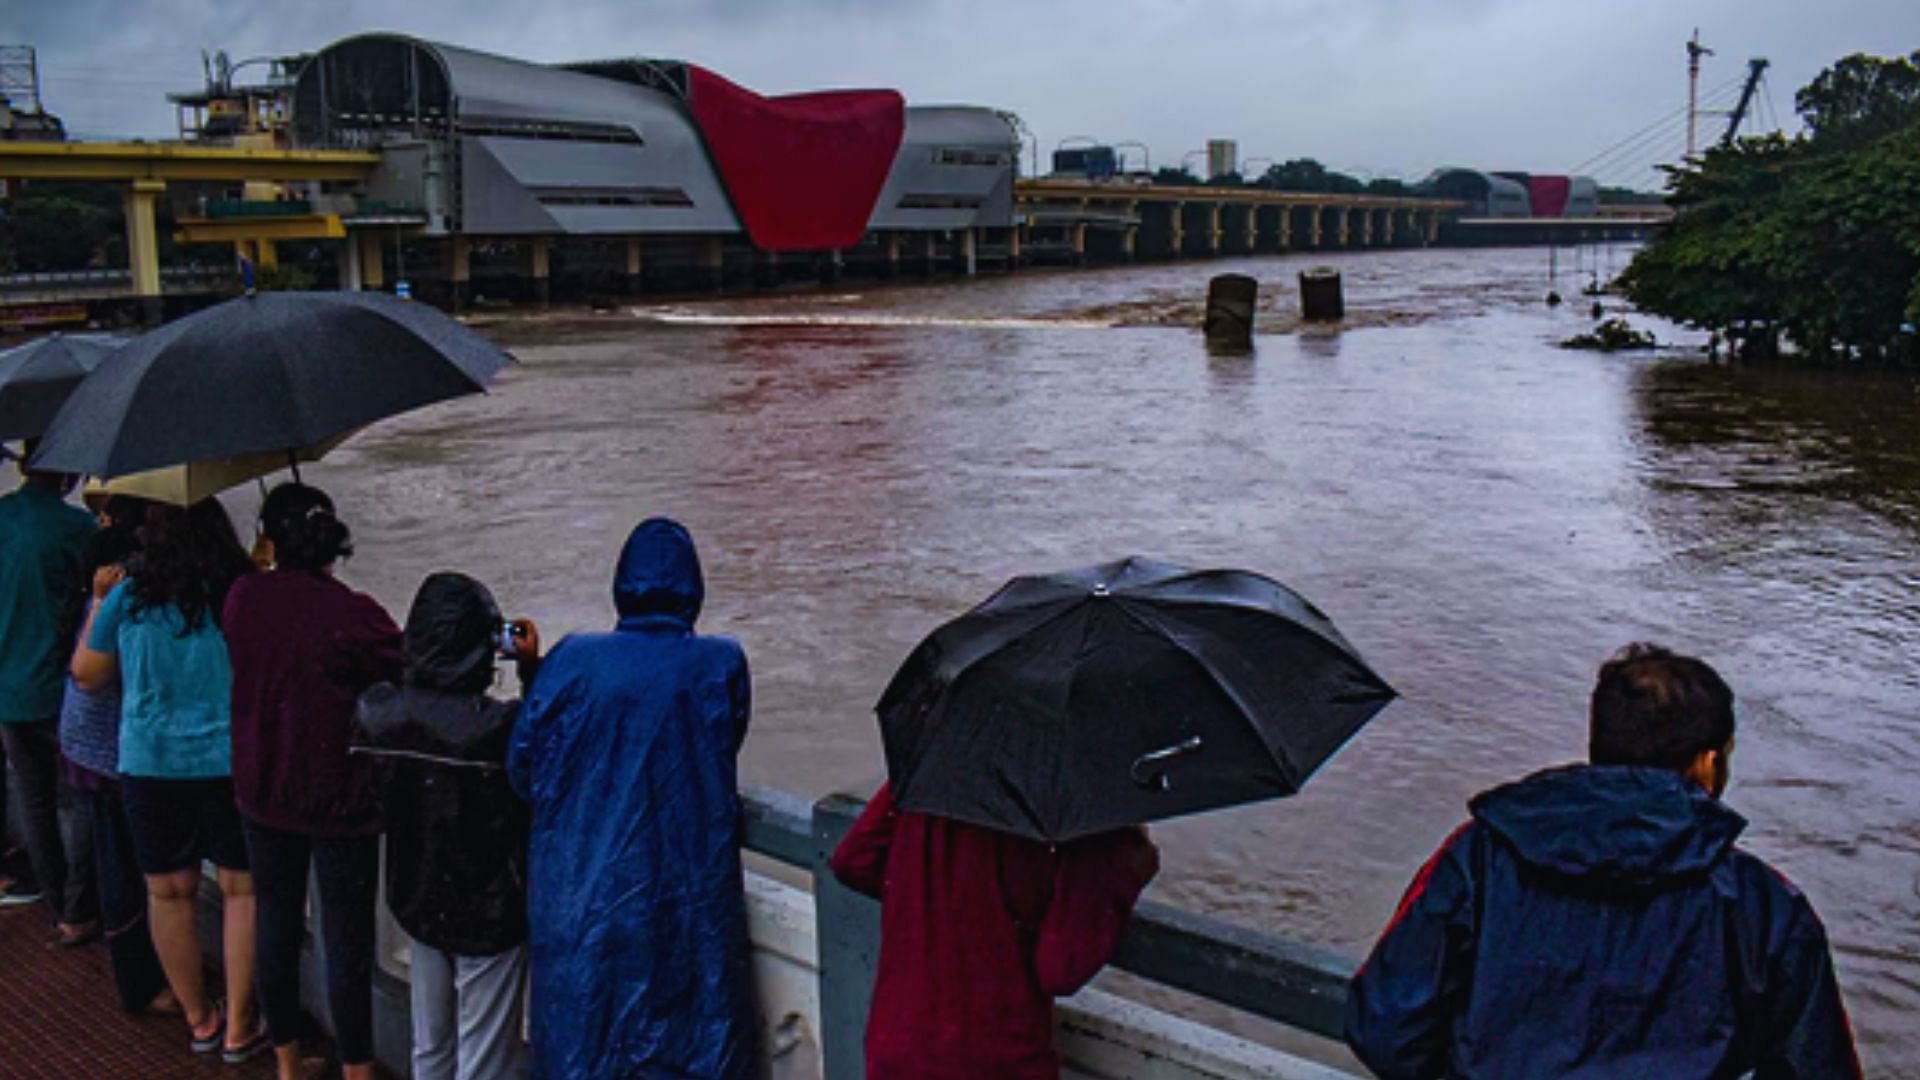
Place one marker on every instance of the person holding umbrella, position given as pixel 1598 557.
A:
pixel 42 541
pixel 980 932
pixel 1026 742
pixel 305 646
pixel 157 630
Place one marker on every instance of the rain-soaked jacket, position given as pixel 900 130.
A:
pixel 625 748
pixel 979 932
pixel 1598 921
pixel 456 832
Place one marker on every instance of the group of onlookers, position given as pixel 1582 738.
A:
pixel 168 700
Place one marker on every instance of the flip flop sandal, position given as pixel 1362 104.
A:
pixel 261 1042
pixel 213 1040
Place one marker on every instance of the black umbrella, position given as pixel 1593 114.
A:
pixel 36 379
pixel 263 373
pixel 1120 694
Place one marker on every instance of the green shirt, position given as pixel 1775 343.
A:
pixel 42 541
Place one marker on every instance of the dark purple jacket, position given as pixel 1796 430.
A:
pixel 304 647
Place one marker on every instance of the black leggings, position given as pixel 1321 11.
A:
pixel 347 869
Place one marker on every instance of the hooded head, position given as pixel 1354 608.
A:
pixel 1612 828
pixel 659 574
pixel 451 634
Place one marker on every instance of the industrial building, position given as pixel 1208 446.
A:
pixel 1515 194
pixel 626 173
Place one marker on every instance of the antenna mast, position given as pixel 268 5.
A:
pixel 1695 51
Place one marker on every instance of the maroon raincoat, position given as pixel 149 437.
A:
pixel 980 931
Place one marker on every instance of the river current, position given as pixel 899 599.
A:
pixel 1485 516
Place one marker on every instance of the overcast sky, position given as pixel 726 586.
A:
pixel 1375 87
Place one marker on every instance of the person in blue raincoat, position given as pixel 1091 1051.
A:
pixel 625 749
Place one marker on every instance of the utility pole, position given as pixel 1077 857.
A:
pixel 1695 51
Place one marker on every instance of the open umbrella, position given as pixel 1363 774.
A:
pixel 1119 694
pixel 36 379
pixel 184 485
pixel 268 373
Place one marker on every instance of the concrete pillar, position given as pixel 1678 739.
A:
pixel 266 254
pixel 143 246
pixel 1214 232
pixel 1013 247
pixel 636 275
pixel 1314 214
pixel 349 267
pixel 968 258
pixel 1366 227
pixel 373 269
pixel 1253 228
pixel 1433 226
pixel 712 264
pixel 1388 222
pixel 1078 234
pixel 829 267
pixel 929 252
pixel 1179 232
pixel 1286 227
pixel 1345 233
pixel 459 259
pixel 890 254
pixel 1130 242
pixel 534 254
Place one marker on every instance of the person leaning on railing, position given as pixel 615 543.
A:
pixel 1598 920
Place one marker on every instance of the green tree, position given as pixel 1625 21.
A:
pixel 1176 177
pixel 1861 98
pixel 1306 174
pixel 1815 239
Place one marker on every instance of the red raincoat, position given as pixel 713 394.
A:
pixel 980 931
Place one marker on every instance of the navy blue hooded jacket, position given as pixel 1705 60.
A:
pixel 1598 921
pixel 625 750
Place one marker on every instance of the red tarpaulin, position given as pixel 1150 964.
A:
pixel 803 171
pixel 1549 195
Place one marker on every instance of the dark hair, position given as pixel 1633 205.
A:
pixel 306 535
pixel 1654 707
pixel 188 559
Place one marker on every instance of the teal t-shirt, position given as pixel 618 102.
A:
pixel 42 541
pixel 176 691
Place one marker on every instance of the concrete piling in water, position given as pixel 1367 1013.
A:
pixel 1231 299
pixel 1321 298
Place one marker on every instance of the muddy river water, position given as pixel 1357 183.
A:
pixel 1486 517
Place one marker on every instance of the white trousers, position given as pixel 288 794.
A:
pixel 468 1014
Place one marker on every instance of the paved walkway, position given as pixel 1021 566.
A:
pixel 59 1017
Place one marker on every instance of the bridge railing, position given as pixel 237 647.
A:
pixel 1297 984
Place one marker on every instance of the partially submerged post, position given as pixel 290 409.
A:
pixel 1320 295
pixel 1230 304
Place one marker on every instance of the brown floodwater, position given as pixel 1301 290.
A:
pixel 1486 516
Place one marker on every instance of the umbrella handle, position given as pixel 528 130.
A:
pixel 1160 781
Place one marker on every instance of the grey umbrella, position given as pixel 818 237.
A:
pixel 36 379
pixel 274 372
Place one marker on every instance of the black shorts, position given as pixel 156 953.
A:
pixel 177 823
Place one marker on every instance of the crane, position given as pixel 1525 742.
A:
pixel 1756 68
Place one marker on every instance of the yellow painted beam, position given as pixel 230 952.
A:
pixel 177 161
pixel 289 227
pixel 143 245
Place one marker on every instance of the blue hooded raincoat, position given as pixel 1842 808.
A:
pixel 1598 921
pixel 625 750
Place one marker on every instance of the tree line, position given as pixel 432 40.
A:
pixel 1808 243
